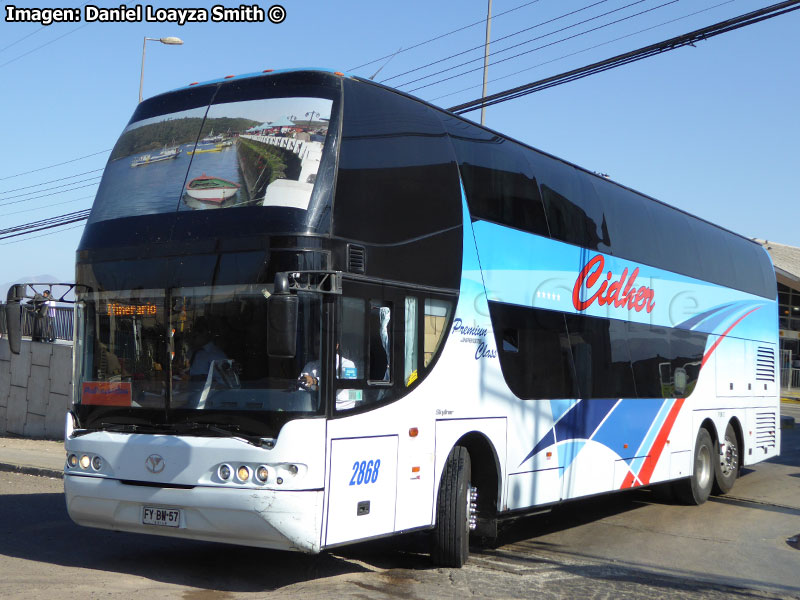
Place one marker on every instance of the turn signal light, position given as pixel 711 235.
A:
pixel 72 461
pixel 262 474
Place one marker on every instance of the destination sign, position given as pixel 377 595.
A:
pixel 131 310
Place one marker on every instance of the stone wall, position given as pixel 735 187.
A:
pixel 35 389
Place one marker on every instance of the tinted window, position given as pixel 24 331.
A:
pixel 630 222
pixel 534 351
pixel 574 213
pixel 714 253
pixel 397 177
pixel 498 180
pixel 666 362
pixel 601 356
pixel 676 243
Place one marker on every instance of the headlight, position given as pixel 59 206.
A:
pixel 72 460
pixel 262 474
pixel 85 461
pixel 243 473
pixel 224 472
pixel 97 463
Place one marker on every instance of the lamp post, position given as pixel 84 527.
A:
pixel 170 41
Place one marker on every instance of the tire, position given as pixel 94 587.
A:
pixel 451 535
pixel 697 488
pixel 726 467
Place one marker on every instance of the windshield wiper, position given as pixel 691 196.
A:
pixel 189 427
pixel 223 429
pixel 134 428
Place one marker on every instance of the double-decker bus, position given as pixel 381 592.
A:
pixel 312 310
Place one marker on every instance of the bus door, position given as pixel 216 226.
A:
pixel 363 448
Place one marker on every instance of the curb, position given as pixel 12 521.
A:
pixel 26 470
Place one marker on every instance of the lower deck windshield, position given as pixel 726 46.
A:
pixel 190 349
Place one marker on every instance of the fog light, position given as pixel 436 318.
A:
pixel 97 463
pixel 293 469
pixel 262 474
pixel 243 473
pixel 224 472
pixel 85 461
pixel 72 461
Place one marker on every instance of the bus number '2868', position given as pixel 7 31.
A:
pixel 365 472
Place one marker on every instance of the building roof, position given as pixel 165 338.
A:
pixel 785 258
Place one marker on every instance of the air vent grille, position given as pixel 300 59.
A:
pixel 765 429
pixel 765 364
pixel 356 258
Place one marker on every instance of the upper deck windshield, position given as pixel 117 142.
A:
pixel 254 143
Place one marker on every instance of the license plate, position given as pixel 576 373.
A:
pixel 166 517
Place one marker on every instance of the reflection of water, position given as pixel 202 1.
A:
pixel 158 187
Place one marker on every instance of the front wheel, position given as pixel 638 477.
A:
pixel 451 536
pixel 726 467
pixel 697 488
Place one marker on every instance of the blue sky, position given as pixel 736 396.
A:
pixel 712 129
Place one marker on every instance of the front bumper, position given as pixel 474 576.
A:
pixel 276 519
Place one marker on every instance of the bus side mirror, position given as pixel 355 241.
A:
pixel 282 310
pixel 13 311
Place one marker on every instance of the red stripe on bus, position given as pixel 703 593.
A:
pixel 658 446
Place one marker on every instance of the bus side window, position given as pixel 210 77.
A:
pixel 437 315
pixel 411 347
pixel 350 345
pixel 380 342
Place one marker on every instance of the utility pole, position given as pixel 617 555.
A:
pixel 486 57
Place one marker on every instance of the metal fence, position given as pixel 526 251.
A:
pixel 56 325
pixel 790 380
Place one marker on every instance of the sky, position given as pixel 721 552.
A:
pixel 712 129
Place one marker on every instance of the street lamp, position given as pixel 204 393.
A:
pixel 170 41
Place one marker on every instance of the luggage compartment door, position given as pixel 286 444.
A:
pixel 362 488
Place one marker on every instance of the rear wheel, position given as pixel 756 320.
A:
pixel 451 536
pixel 726 467
pixel 697 488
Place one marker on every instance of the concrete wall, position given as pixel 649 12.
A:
pixel 35 389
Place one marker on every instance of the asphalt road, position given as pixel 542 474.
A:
pixel 633 545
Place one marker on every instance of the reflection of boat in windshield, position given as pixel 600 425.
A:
pixel 165 154
pixel 211 189
pixel 212 139
pixel 217 148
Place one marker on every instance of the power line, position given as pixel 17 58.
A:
pixel 24 37
pixel 51 181
pixel 46 43
pixel 562 40
pixel 55 187
pixel 79 187
pixel 66 162
pixel 47 206
pixel 42 235
pixel 44 224
pixel 441 60
pixel 671 44
pixel 496 79
pixel 8 62
pixel 444 35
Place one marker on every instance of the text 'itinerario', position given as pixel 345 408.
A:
pixel 90 13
